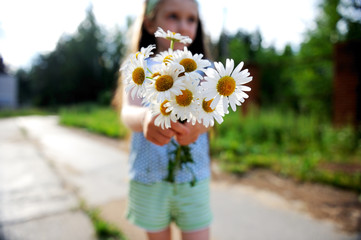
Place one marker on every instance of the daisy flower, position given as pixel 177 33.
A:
pixel 164 117
pixel 185 105
pixel 165 82
pixel 172 36
pixel 226 84
pixel 165 56
pixel 135 72
pixel 192 63
pixel 146 52
pixel 207 115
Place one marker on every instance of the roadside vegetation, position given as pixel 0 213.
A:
pixel 6 113
pixel 297 146
pixel 94 118
pixel 292 145
pixel 103 229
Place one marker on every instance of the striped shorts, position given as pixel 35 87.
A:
pixel 153 207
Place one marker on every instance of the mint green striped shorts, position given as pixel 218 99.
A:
pixel 153 207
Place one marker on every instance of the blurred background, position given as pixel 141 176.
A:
pixel 303 117
pixel 305 59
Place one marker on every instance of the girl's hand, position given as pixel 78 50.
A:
pixel 187 133
pixel 155 134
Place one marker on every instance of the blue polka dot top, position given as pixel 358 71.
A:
pixel 149 162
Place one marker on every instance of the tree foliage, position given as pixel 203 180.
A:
pixel 302 79
pixel 314 81
pixel 82 67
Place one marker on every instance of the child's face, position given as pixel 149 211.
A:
pixel 180 16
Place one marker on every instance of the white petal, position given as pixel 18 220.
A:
pixel 245 73
pixel 232 100
pixel 233 106
pixel 244 95
pixel 245 88
pixel 167 124
pixel 211 74
pixel 239 67
pixel 245 80
pixel 225 103
pixel 157 121
pixel 133 92
pixel 218 118
pixel 215 101
pixel 220 68
pixel 206 122
pixel 211 122
pixel 229 67
pixel 210 93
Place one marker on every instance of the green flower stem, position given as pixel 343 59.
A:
pixel 149 71
pixel 178 159
pixel 174 165
pixel 172 44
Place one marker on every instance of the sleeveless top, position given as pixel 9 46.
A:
pixel 148 163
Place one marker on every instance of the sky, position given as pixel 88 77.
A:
pixel 29 28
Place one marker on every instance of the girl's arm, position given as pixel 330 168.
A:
pixel 133 113
pixel 139 119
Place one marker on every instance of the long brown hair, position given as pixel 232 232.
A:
pixel 141 38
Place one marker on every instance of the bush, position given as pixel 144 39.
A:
pixel 289 144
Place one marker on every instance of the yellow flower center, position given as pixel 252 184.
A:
pixel 163 109
pixel 163 83
pixel 156 74
pixel 206 105
pixel 226 86
pixel 138 76
pixel 184 99
pixel 167 59
pixel 189 64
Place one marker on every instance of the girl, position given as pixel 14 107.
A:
pixel 153 203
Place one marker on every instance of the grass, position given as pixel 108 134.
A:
pixel 98 119
pixel 103 229
pixel 6 113
pixel 300 147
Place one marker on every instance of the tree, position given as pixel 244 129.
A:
pixel 312 78
pixel 81 68
pixel 350 11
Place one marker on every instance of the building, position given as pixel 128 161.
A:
pixel 347 83
pixel 8 91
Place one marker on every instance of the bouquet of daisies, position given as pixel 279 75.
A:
pixel 182 86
